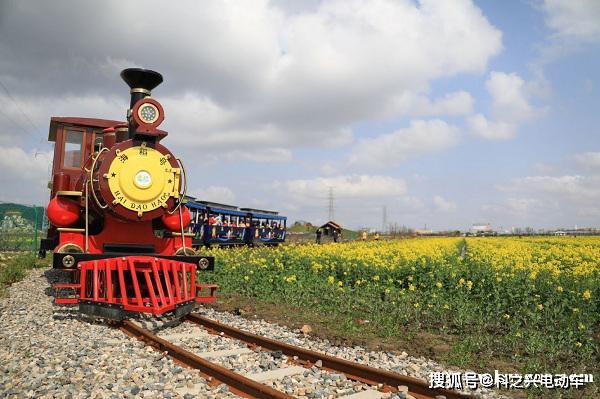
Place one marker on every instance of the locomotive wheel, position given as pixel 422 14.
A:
pixel 89 284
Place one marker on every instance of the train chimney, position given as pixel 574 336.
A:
pixel 141 82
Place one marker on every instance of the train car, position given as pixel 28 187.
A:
pixel 227 225
pixel 117 216
pixel 269 228
pixel 218 224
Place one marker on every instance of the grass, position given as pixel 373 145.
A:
pixel 15 269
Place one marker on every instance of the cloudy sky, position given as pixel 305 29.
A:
pixel 447 113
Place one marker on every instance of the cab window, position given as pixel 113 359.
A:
pixel 73 147
pixel 98 142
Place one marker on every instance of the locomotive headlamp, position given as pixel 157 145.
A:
pixel 148 113
pixel 142 179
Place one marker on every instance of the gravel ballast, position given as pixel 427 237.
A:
pixel 45 353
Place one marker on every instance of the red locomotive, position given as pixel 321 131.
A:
pixel 117 216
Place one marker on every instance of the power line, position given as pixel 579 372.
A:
pixel 331 209
pixel 15 122
pixel 35 128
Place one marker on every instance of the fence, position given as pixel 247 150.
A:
pixel 19 241
pixel 21 227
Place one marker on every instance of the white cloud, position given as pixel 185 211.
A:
pixel 455 103
pixel 219 194
pixel 328 168
pixel 569 185
pixel 572 194
pixel 525 206
pixel 260 155
pixel 590 160
pixel 255 73
pixel 544 167
pixel 24 175
pixel 491 130
pixel 30 115
pixel 510 107
pixel 349 186
pixel 573 19
pixel 443 205
pixel 509 96
pixel 420 138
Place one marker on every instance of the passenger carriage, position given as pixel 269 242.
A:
pixel 269 228
pixel 227 225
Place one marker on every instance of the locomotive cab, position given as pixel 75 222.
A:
pixel 75 140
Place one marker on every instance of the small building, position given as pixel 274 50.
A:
pixel 423 232
pixel 482 230
pixel 560 233
pixel 331 229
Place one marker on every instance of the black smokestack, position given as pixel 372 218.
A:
pixel 141 82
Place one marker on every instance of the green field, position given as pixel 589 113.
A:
pixel 528 305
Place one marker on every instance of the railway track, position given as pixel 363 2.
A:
pixel 294 362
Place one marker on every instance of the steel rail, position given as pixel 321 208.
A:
pixel 355 371
pixel 240 384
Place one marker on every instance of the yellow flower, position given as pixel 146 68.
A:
pixel 559 289
pixel 578 344
pixel 417 305
pixel 575 310
pixel 411 287
pixel 587 294
pixel 533 275
pixel 540 306
pixel 439 284
pixel 461 281
pixel 246 278
pixel 446 306
pixel 330 279
pixel 581 326
pixel 340 284
pixel 469 284
pixel 376 278
pixel 410 278
pixel 506 316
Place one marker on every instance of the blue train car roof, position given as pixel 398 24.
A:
pixel 266 216
pixel 223 209
pixel 218 205
pixel 228 212
pixel 262 211
pixel 195 205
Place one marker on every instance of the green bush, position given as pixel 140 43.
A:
pixel 15 269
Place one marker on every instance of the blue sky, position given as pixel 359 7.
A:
pixel 446 113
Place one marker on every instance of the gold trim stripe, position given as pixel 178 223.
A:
pixel 70 230
pixel 175 234
pixel 70 193
pixel 139 90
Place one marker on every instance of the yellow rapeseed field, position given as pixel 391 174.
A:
pixel 531 299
